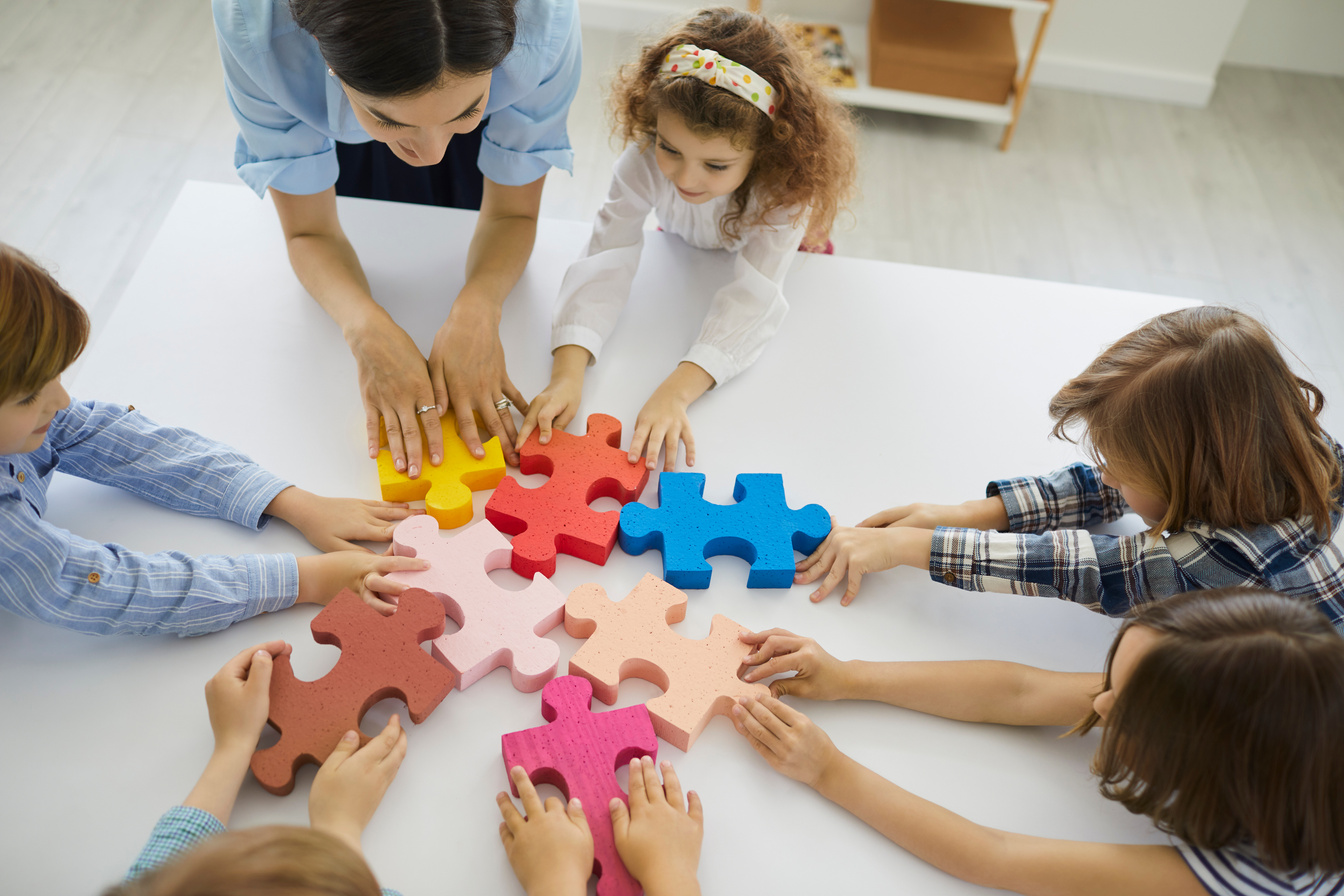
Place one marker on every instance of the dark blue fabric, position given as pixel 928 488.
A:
pixel 371 171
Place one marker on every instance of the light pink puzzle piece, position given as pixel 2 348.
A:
pixel 631 639
pixel 579 752
pixel 498 627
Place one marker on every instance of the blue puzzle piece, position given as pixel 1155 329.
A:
pixel 760 528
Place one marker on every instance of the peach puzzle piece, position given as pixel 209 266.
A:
pixel 498 627
pixel 380 658
pixel 631 639
pixel 579 752
pixel 445 489
pixel 555 517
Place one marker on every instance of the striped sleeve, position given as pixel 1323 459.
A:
pixel 1238 872
pixel 1071 498
pixel 178 830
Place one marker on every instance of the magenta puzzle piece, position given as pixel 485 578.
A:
pixel 579 752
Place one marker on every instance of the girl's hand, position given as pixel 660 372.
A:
pixel 658 837
pixel 239 697
pixel 849 551
pixel 984 513
pixel 559 402
pixel 663 421
pixel 785 737
pixel 351 783
pixel 819 676
pixel 324 576
pixel 394 382
pixel 550 847
pixel 333 524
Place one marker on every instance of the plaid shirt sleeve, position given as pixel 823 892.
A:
pixel 1105 573
pixel 178 830
pixel 1071 498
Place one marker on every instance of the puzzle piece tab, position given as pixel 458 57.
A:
pixel 631 639
pixel 760 528
pixel 445 489
pixel 380 658
pixel 579 753
pixel 498 627
pixel 555 516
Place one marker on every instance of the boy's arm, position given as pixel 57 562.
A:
pixel 1071 498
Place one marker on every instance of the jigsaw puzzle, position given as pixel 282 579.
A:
pixel 760 528
pixel 579 752
pixel 445 489
pixel 556 516
pixel 380 658
pixel 631 639
pixel 498 627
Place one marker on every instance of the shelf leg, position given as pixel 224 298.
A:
pixel 1020 87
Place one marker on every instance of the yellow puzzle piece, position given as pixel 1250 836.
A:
pixel 445 489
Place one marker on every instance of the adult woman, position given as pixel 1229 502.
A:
pixel 312 82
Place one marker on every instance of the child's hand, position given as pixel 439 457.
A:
pixel 820 676
pixel 351 783
pixel 663 421
pixel 550 848
pixel 333 524
pixel 324 576
pixel 239 697
pixel 852 551
pixel 658 837
pixel 985 513
pixel 555 406
pixel 785 737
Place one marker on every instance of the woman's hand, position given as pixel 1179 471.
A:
pixel 466 368
pixel 350 785
pixel 324 576
pixel 658 837
pixel 785 737
pixel 549 846
pixel 818 675
pixel 334 524
pixel 395 384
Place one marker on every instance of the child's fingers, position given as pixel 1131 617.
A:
pixel 789 662
pixel 637 441
pixel 695 809
pixel 506 837
pixel 884 518
pixel 397 563
pixel 653 788
pixel 383 746
pixel 776 642
pixel 563 419
pixel 670 441
pixel 828 584
pixel 783 711
pixel 259 674
pixel 513 821
pixel 638 796
pixel 526 792
pixel 763 714
pixel 655 444
pixel 855 577
pixel 370 597
pixel 574 809
pixel 345 748
pixel 689 439
pixel 671 786
pixel 754 732
pixel 620 820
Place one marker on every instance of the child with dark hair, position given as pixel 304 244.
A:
pixel 1197 424
pixel 1221 714
pixel 734 139
pixel 50 574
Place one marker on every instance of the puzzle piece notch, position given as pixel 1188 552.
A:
pixel 555 516
pixel 631 638
pixel 498 627
pixel 446 489
pixel 760 528
pixel 380 658
pixel 579 753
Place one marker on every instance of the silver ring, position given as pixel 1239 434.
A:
pixel 503 405
pixel 428 407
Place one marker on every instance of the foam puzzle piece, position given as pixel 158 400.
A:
pixel 631 639
pixel 579 752
pixel 498 627
pixel 555 517
pixel 380 658
pixel 760 528
pixel 445 489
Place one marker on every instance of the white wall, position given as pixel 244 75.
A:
pixel 1298 35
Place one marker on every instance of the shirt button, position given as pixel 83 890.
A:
pixel 950 578
pixel 130 407
pixel 21 476
pixel 94 578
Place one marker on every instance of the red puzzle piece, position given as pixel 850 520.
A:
pixel 380 658
pixel 579 753
pixel 556 516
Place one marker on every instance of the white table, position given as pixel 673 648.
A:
pixel 888 383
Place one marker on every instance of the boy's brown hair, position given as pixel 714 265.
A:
pixel 804 156
pixel 265 861
pixel 1229 727
pixel 42 329
pixel 1199 408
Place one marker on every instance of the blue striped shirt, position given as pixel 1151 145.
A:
pixel 1239 872
pixel 52 575
pixel 1047 552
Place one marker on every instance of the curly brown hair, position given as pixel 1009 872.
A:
pixel 804 156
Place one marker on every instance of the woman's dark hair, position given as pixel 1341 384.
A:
pixel 1229 728
pixel 392 48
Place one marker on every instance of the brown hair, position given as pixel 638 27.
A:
pixel 1229 727
pixel 265 861
pixel 1199 408
pixel 804 156
pixel 42 329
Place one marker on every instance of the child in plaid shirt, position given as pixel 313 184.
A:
pixel 1196 424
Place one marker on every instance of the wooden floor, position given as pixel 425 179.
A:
pixel 108 107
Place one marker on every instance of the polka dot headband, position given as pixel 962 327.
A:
pixel 710 67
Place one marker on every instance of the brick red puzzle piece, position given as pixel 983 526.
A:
pixel 555 517
pixel 579 753
pixel 380 658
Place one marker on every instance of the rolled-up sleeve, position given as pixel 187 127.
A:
pixel 1073 497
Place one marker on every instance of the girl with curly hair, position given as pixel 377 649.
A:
pixel 733 139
